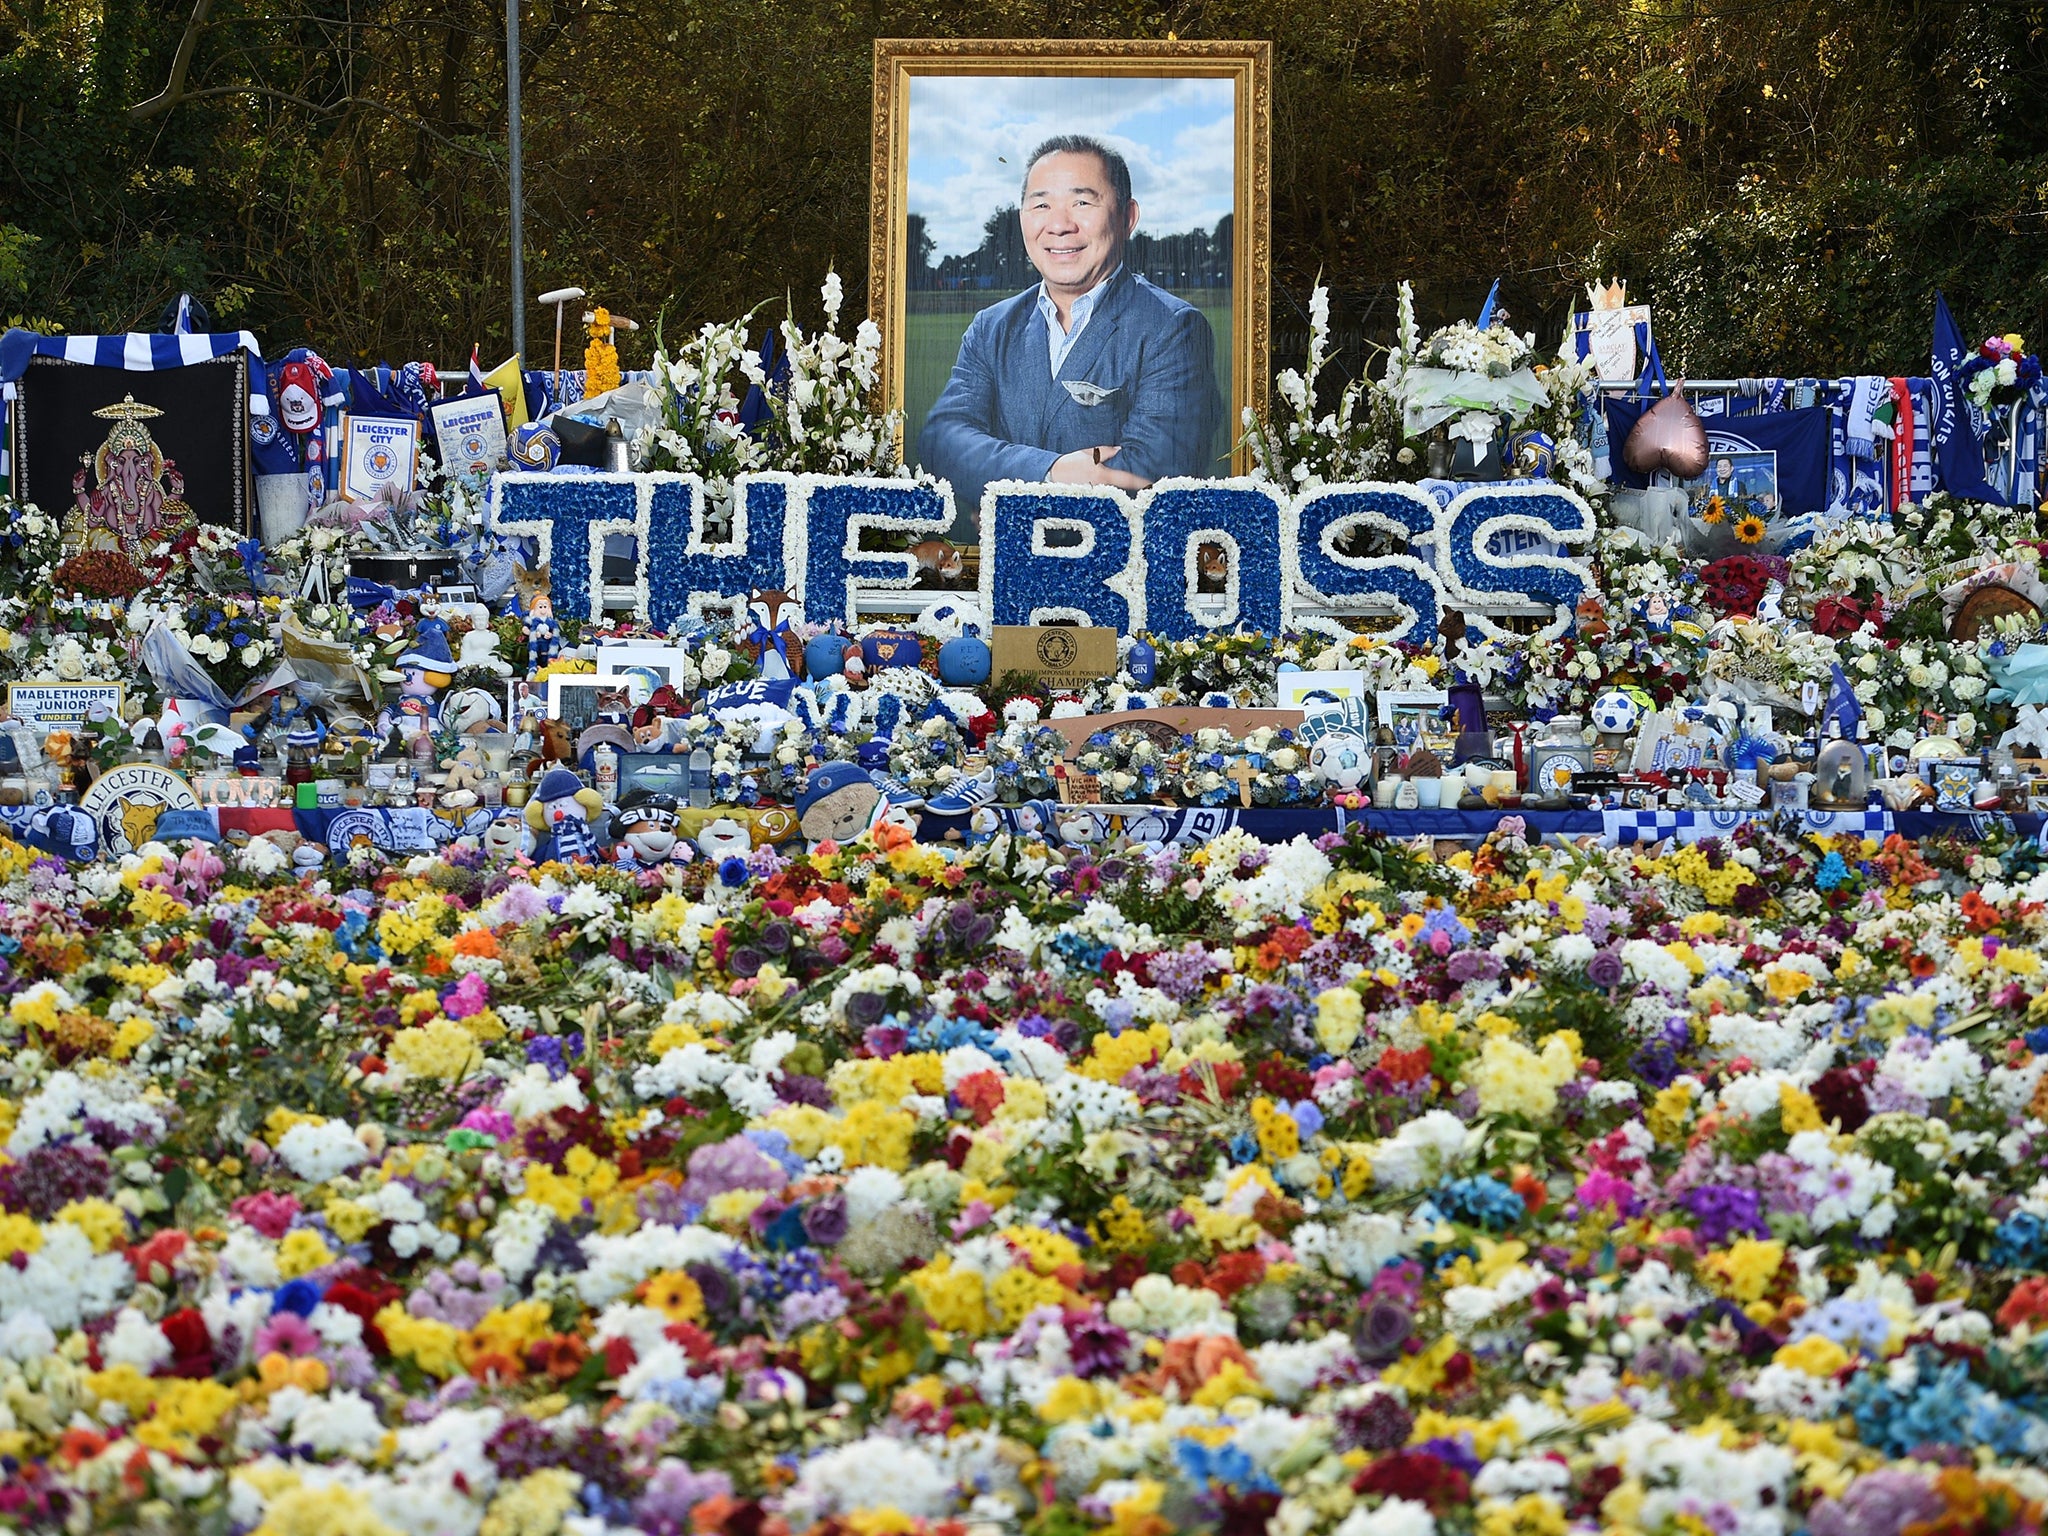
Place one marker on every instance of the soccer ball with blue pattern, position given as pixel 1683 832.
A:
pixel 1616 713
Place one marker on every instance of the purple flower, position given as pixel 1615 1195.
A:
pixel 1381 1329
pixel 1722 1211
pixel 1380 1423
pixel 1604 970
pixel 825 1220
pixel 673 1491
pixel 882 1040
pixel 1473 965
pixel 1097 1347
pixel 1881 1503
pixel 736 1163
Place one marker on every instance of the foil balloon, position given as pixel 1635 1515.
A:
pixel 1669 436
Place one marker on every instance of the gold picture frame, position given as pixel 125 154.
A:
pixel 1247 65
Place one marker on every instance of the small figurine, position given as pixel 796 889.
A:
pixel 724 838
pixel 776 647
pixel 543 634
pixel 646 825
pixel 508 837
pixel 466 768
pixel 938 562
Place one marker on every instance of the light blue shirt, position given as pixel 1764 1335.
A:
pixel 1060 342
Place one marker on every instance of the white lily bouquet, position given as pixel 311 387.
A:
pixel 1302 446
pixel 824 415
pixel 816 412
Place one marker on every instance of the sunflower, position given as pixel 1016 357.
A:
pixel 1750 529
pixel 1715 511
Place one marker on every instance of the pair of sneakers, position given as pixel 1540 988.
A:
pixel 966 794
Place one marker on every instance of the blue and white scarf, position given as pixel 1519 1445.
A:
pixel 136 351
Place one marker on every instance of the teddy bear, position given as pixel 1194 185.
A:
pixel 838 803
pixel 465 769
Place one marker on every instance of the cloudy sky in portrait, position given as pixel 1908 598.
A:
pixel 969 136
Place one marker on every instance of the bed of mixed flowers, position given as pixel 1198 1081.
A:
pixel 1298 1189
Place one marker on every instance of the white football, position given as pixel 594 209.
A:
pixel 1616 713
pixel 1340 760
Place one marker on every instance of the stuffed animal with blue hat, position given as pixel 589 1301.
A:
pixel 838 803
pixel 561 814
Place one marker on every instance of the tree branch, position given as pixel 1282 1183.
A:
pixel 181 64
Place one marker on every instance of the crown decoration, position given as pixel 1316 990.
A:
pixel 128 431
pixel 1612 295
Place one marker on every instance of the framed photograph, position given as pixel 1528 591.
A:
pixel 1125 185
pixel 1411 712
pixel 629 659
pixel 578 699
pixel 130 459
pixel 1312 691
pixel 665 772
pixel 377 451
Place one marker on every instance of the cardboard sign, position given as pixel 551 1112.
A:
pixel 1058 655
pixel 44 705
pixel 471 432
pixel 1171 724
pixel 376 452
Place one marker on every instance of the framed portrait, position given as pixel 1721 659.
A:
pixel 1069 254
pixel 1411 712
pixel 131 459
pixel 578 699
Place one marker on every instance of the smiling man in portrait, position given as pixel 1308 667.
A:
pixel 1094 376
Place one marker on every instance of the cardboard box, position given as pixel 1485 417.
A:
pixel 1058 655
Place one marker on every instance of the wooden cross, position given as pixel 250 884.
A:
pixel 1243 773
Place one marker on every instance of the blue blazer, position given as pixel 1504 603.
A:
pixel 1004 416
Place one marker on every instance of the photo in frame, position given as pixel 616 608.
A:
pixel 1311 691
pixel 1144 222
pixel 1411 712
pixel 132 458
pixel 579 698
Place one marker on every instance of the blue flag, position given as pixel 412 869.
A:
pixel 1842 706
pixel 1952 435
pixel 1486 309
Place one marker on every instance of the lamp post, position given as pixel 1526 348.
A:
pixel 518 201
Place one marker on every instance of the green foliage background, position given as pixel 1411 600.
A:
pixel 1788 182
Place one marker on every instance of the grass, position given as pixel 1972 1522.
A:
pixel 936 322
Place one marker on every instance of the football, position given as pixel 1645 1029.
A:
pixel 1616 713
pixel 1340 759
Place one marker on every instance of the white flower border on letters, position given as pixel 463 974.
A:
pixel 1473 603
pixel 1303 592
pixel 801 487
pixel 1128 584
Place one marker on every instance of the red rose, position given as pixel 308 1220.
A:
pixel 191 1344
pixel 1415 1475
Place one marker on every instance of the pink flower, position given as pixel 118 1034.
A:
pixel 288 1334
pixel 469 997
pixel 271 1214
